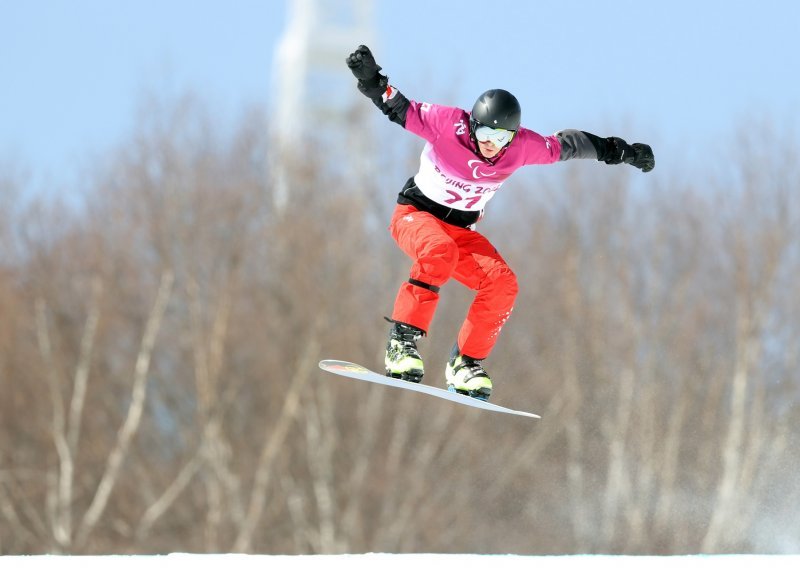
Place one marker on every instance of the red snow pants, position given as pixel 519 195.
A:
pixel 441 251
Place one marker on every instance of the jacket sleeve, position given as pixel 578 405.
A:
pixel 577 144
pixel 538 149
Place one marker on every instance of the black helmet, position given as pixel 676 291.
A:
pixel 498 109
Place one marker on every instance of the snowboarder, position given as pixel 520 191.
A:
pixel 466 159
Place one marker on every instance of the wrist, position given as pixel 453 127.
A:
pixel 374 86
pixel 617 151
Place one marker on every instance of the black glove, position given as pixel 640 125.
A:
pixel 362 64
pixel 638 155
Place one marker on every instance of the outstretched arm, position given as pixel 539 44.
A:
pixel 577 144
pixel 376 86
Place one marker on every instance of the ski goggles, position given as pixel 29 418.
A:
pixel 497 136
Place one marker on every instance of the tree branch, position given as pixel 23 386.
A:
pixel 131 424
pixel 62 520
pixel 273 443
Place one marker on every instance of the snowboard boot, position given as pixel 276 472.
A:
pixel 465 375
pixel 402 358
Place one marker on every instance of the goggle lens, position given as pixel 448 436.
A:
pixel 497 136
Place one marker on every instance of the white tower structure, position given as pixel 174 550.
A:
pixel 312 85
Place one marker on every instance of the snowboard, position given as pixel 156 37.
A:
pixel 356 371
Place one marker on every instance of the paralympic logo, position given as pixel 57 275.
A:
pixel 476 173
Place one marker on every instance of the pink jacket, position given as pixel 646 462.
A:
pixel 451 173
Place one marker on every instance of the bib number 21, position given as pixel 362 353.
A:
pixel 456 197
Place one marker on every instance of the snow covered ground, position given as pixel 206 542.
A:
pixel 398 561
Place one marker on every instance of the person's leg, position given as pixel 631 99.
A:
pixel 480 267
pixel 425 239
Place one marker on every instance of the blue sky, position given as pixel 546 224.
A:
pixel 680 74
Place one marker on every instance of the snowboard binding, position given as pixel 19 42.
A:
pixel 412 376
pixel 472 394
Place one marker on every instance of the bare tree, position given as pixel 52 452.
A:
pixel 159 348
